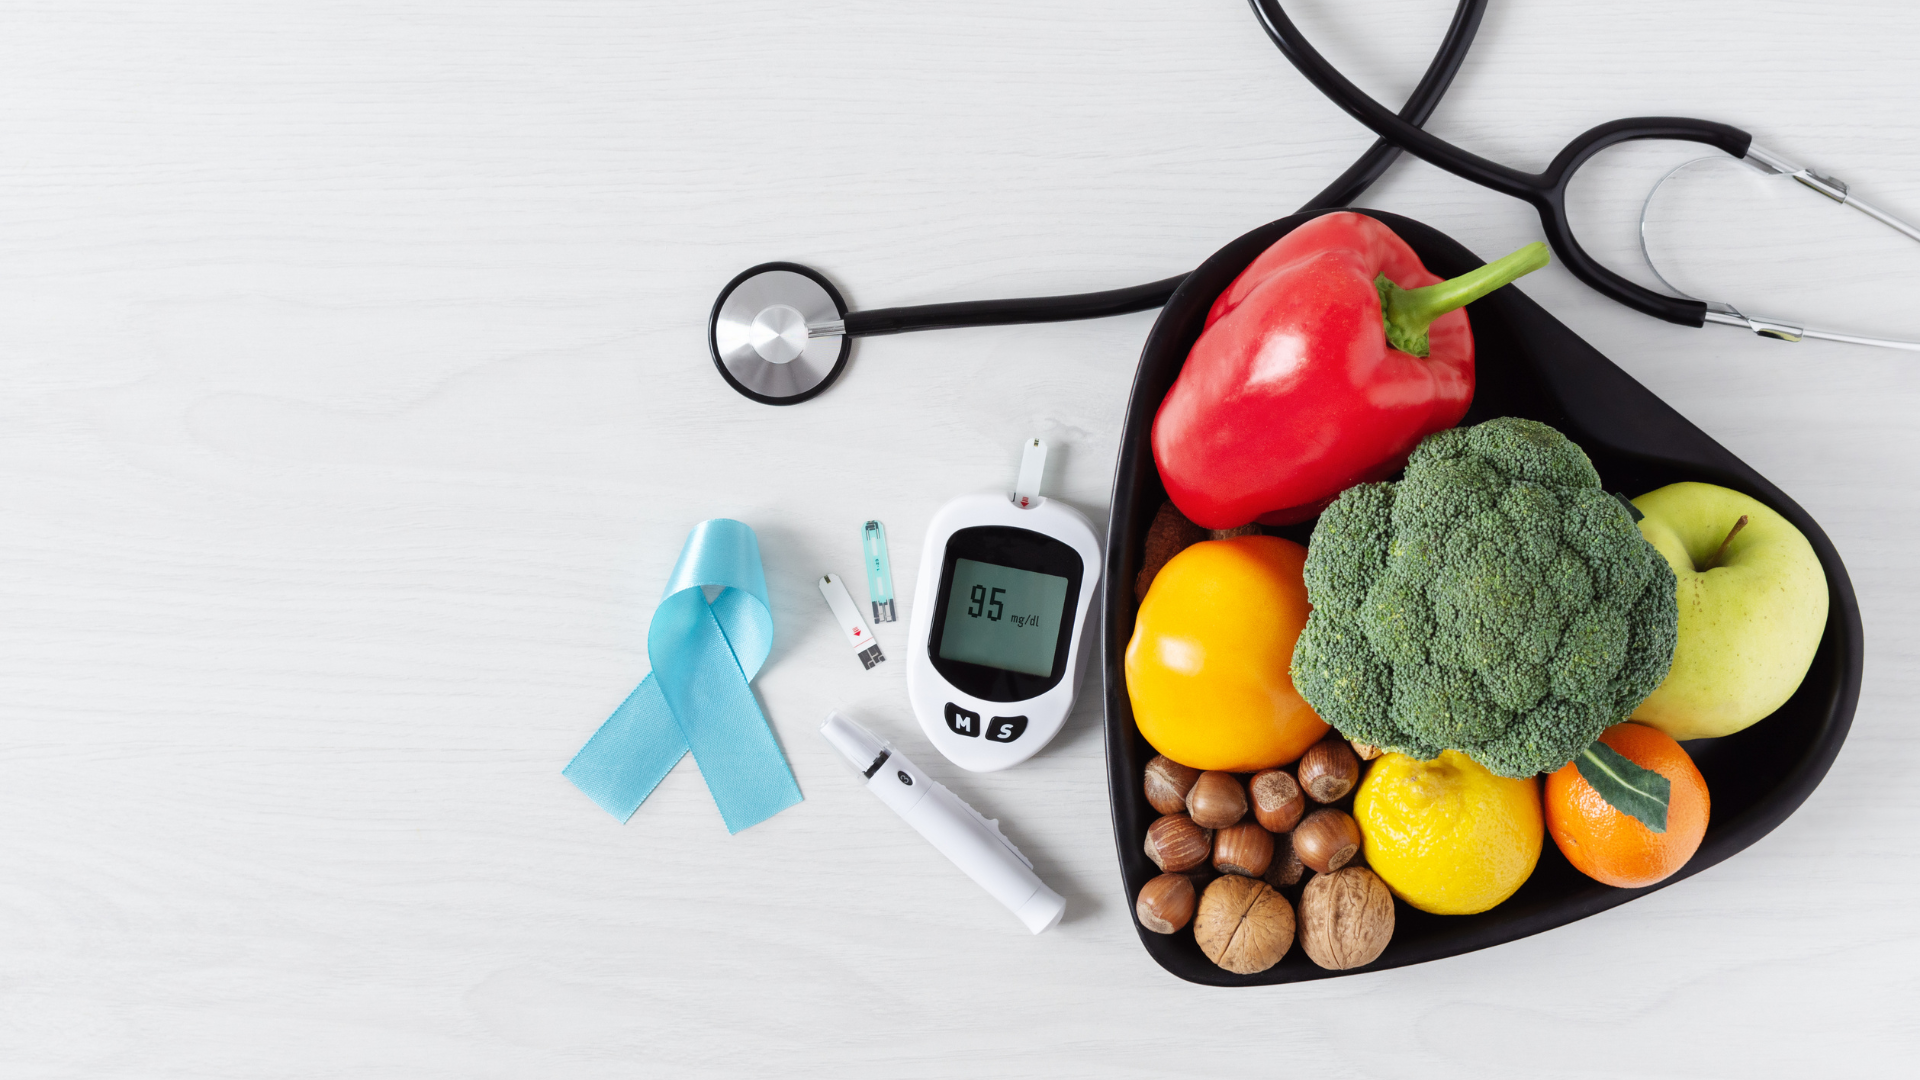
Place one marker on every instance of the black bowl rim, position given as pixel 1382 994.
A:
pixel 1844 633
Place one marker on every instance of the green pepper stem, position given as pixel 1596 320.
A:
pixel 1408 312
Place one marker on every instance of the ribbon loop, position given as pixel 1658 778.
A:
pixel 698 697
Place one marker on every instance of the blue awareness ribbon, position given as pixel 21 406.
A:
pixel 697 696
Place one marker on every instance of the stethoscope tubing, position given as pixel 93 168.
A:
pixel 1546 190
pixel 1097 305
pixel 761 309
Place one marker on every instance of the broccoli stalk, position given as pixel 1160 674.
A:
pixel 1495 601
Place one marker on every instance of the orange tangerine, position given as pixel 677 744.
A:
pixel 1611 847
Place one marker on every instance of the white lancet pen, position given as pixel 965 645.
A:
pixel 974 843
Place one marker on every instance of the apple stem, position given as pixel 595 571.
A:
pixel 1731 533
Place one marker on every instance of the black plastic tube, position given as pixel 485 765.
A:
pixel 1426 97
pixel 1098 305
pixel 1424 144
pixel 1038 309
pixel 1546 191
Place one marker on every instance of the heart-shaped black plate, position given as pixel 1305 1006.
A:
pixel 1528 364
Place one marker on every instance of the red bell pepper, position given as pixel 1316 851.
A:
pixel 1322 366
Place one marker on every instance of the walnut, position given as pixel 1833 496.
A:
pixel 1346 918
pixel 1243 925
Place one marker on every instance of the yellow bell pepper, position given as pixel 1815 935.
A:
pixel 1208 669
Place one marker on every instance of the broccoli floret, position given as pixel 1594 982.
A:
pixel 1495 601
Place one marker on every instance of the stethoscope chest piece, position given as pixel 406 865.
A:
pixel 776 333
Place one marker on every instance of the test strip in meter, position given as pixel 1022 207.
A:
pixel 873 539
pixel 848 616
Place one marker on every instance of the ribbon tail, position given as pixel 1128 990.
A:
pixel 708 694
pixel 631 753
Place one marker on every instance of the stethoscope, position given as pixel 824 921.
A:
pixel 780 333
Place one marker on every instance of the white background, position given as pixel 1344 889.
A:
pixel 357 404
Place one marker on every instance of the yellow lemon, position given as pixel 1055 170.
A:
pixel 1447 836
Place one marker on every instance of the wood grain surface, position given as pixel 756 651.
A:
pixel 357 404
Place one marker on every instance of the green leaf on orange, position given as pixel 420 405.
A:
pixel 1639 793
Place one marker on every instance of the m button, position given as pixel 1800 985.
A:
pixel 962 722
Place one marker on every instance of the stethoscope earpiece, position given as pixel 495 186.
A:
pixel 777 333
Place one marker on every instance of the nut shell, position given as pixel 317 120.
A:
pixel 1217 800
pixel 1167 783
pixel 1166 903
pixel 1243 925
pixel 1277 801
pixel 1329 770
pixel 1169 535
pixel 1346 918
pixel 1244 848
pixel 1176 844
pixel 1365 751
pixel 1286 869
pixel 1327 840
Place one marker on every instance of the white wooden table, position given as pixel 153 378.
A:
pixel 357 404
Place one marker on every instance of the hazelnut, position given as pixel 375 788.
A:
pixel 1346 918
pixel 1329 771
pixel 1169 535
pixel 1245 848
pixel 1365 751
pixel 1167 784
pixel 1277 802
pixel 1165 904
pixel 1176 844
pixel 1286 869
pixel 1243 925
pixel 1234 533
pixel 1327 840
pixel 1216 800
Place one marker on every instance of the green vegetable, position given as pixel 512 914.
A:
pixel 1495 601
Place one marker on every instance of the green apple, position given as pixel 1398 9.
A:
pixel 1753 604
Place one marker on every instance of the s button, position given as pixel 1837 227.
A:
pixel 1006 728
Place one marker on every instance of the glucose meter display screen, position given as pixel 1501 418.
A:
pixel 1003 618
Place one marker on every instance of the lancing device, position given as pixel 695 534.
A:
pixel 974 843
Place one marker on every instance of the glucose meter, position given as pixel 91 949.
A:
pixel 997 644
